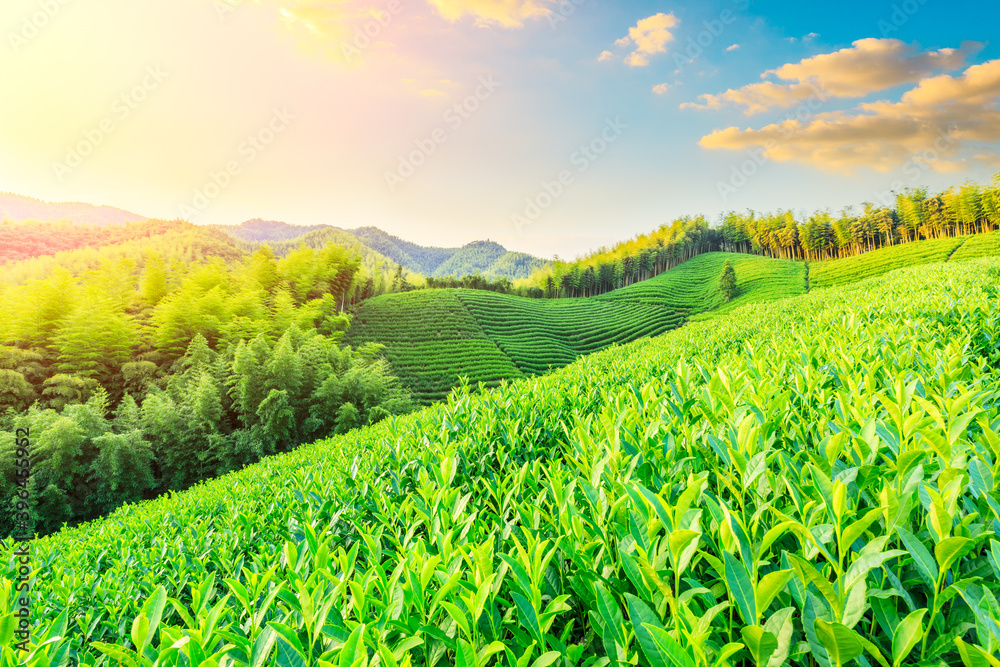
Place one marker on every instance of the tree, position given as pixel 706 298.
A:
pixel 727 281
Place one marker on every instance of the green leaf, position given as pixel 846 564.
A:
pixel 262 647
pixel 782 626
pixel 769 586
pixel 981 477
pixel 353 648
pixel 642 618
pixel 839 641
pixel 921 556
pixel 7 625
pixel 669 647
pixel 727 652
pixel 546 659
pixel 528 616
pixel 908 633
pixel 948 550
pixel 145 624
pixel 610 612
pixel 740 588
pixel 858 528
pixel 459 617
pixel 487 651
pixel 288 641
pixel 973 656
pixel 762 644
pixel 465 654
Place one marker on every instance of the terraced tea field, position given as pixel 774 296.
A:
pixel 541 334
pixel 979 245
pixel 431 340
pixel 693 287
pixel 883 260
pixel 433 337
pixel 808 482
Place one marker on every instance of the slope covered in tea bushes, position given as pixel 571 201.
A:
pixel 877 262
pixel 434 337
pixel 803 482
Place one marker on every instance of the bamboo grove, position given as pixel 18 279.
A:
pixel 915 215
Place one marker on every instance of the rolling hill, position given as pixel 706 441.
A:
pixel 18 207
pixel 265 231
pixel 490 259
pixel 434 337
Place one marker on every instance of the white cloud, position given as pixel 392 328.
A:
pixel 661 88
pixel 732 47
pixel 868 66
pixel 505 13
pixel 649 36
pixel 953 118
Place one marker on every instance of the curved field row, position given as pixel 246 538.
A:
pixel 539 335
pixel 979 245
pixel 881 261
pixel 693 287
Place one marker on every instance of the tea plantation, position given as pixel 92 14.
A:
pixel 434 337
pixel 883 260
pixel 811 481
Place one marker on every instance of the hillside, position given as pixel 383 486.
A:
pixel 27 239
pixel 18 207
pixel 519 336
pixel 410 255
pixel 265 231
pixel 601 510
pixel 178 242
pixel 490 259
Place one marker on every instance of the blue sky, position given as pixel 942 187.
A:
pixel 275 109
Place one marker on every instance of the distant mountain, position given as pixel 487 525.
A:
pixel 490 259
pixel 18 207
pixel 262 231
pixel 417 258
pixel 486 257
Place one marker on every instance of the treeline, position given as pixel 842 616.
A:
pixel 24 240
pixel 637 259
pixel 134 380
pixel 969 209
pixel 381 270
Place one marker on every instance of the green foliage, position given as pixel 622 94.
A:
pixel 803 482
pixel 878 262
pixel 218 412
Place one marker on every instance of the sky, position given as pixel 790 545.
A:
pixel 551 126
